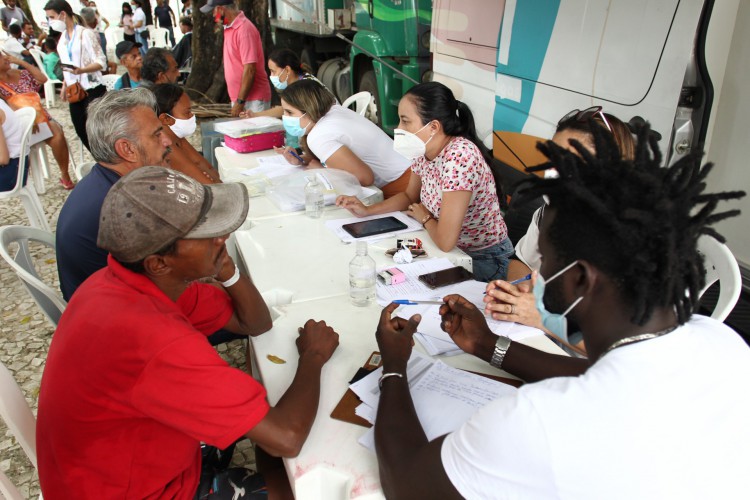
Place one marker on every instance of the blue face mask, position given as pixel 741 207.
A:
pixel 292 125
pixel 276 81
pixel 556 323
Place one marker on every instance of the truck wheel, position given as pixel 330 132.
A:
pixel 369 83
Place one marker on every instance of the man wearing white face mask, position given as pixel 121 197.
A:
pixel 173 110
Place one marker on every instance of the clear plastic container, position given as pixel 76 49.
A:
pixel 362 277
pixel 314 202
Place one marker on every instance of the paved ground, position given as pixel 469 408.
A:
pixel 25 334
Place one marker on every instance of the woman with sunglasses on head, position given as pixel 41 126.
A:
pixel 452 191
pixel 517 303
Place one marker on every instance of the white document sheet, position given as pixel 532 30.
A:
pixel 445 398
pixel 335 226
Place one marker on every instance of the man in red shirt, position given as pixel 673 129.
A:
pixel 131 387
pixel 244 62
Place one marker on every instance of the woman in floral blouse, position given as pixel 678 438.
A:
pixel 452 192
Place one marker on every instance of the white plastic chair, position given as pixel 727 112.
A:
pixel 722 266
pixel 362 100
pixel 159 37
pixel 16 413
pixel 50 88
pixel 48 299
pixel 39 166
pixel 27 193
pixel 83 169
pixel 109 81
pixel 8 490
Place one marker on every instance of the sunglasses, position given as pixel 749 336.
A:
pixel 585 115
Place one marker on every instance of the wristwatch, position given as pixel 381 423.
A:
pixel 241 101
pixel 501 348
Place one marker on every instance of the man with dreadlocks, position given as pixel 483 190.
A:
pixel 660 408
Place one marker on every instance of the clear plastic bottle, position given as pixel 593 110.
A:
pixel 314 197
pixel 362 277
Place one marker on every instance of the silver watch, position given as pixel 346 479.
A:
pixel 498 355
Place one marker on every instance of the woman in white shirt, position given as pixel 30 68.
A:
pixel 10 147
pixel 82 59
pixel 336 137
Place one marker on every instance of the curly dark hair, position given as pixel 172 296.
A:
pixel 635 220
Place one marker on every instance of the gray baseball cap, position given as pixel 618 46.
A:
pixel 206 9
pixel 152 207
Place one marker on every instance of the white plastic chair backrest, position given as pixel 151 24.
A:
pixel 48 299
pixel 8 490
pixel 16 413
pixel 37 55
pixel 722 266
pixel 83 169
pixel 109 81
pixel 26 117
pixel 362 100
pixel 159 37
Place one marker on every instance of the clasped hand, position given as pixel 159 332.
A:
pixel 506 302
pixel 316 338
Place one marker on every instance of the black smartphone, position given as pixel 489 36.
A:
pixel 373 227
pixel 68 66
pixel 446 277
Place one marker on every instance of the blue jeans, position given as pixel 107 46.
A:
pixel 9 174
pixel 491 263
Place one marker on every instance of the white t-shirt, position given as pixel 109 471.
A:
pixel 13 47
pixel 527 248
pixel 12 130
pixel 662 418
pixel 139 15
pixel 343 127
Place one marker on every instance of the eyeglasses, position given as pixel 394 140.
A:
pixel 585 115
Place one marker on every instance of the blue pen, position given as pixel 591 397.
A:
pixel 521 280
pixel 406 302
pixel 294 153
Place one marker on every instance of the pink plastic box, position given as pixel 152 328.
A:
pixel 255 142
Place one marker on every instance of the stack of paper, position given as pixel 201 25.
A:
pixel 444 397
pixel 429 334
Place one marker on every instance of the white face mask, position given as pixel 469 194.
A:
pixel 183 128
pixel 57 25
pixel 408 145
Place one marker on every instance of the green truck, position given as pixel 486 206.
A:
pixel 379 46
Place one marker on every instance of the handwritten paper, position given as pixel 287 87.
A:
pixel 444 398
pixel 412 288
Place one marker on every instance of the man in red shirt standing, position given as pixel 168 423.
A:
pixel 131 387
pixel 244 62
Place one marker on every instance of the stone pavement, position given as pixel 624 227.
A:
pixel 25 334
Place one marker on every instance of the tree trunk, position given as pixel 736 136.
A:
pixel 207 74
pixel 24 4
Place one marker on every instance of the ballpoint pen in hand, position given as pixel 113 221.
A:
pixel 407 302
pixel 521 280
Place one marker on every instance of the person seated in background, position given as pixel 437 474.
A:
pixel 452 191
pixel 11 133
pixel 659 410
pixel 130 375
pixel 29 37
pixel 336 137
pixel 51 60
pixel 14 46
pixel 129 54
pixel 183 51
pixel 125 134
pixel 28 78
pixel 173 109
pixel 521 303
pixel 11 14
pixel 159 66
